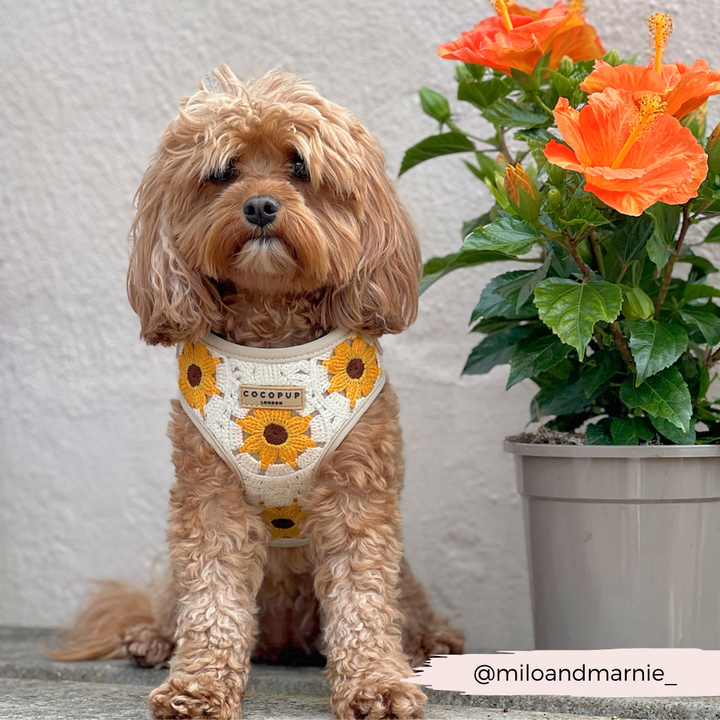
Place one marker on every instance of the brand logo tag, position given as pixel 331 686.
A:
pixel 266 396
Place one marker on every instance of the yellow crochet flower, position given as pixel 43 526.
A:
pixel 354 369
pixel 197 375
pixel 284 522
pixel 274 434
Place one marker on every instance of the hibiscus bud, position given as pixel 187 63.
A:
pixel 556 174
pixel 612 58
pixel 555 200
pixel 695 120
pixel 523 195
pixel 713 150
pixel 637 305
pixel 566 66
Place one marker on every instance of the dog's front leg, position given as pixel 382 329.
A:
pixel 218 549
pixel 354 525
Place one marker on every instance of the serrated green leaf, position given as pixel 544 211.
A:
pixel 571 309
pixel 696 291
pixel 701 266
pixel 628 431
pixel 654 346
pixel 663 395
pixel 478 222
pixel 560 399
pixel 507 113
pixel 496 349
pixel 436 267
pixel 706 319
pixel 672 433
pixel 714 235
pixel 599 433
pixel 599 369
pixel 434 146
pixel 631 237
pixel 492 304
pixel 667 219
pixel 510 235
pixel 484 94
pixel 434 104
pixel 535 356
pixel 565 86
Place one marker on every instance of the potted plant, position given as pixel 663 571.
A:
pixel 599 169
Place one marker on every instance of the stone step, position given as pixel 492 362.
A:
pixel 33 684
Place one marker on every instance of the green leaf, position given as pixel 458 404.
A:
pixel 631 237
pixel 492 304
pixel 714 235
pixel 525 81
pixel 705 318
pixel 598 369
pixel 484 94
pixel 667 219
pixel 696 291
pixel 580 213
pixel 436 267
pixel 654 346
pixel 628 431
pixel 565 86
pixel 487 167
pixel 496 349
pixel 434 104
pixel 701 266
pixel 534 356
pixel 571 309
pixel 561 399
pixel 507 113
pixel 663 395
pixel 474 224
pixel 510 235
pixel 672 433
pixel 599 433
pixel 434 146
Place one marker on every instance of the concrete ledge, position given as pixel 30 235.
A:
pixel 299 692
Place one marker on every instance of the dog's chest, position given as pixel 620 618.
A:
pixel 273 414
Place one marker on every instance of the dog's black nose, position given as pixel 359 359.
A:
pixel 261 209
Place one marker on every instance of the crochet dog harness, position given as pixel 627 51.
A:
pixel 273 413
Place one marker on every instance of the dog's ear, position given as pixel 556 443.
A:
pixel 382 296
pixel 173 301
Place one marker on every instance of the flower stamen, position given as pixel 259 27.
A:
pixel 576 6
pixel 661 27
pixel 650 108
pixel 501 9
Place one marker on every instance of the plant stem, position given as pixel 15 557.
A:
pixel 539 101
pixel 622 345
pixel 572 247
pixel 594 242
pixel 673 258
pixel 504 147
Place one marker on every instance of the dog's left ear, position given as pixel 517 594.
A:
pixel 382 296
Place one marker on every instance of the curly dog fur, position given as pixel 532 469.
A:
pixel 340 253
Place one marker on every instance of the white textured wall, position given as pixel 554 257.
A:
pixel 87 87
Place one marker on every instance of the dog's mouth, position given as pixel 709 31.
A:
pixel 266 255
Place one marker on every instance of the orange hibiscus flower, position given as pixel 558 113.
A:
pixel 682 88
pixel 632 155
pixel 518 37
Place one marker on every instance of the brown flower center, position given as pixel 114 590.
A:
pixel 355 368
pixel 282 523
pixel 194 375
pixel 275 434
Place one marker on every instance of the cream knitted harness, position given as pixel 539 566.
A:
pixel 274 413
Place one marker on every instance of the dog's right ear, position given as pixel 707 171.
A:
pixel 173 301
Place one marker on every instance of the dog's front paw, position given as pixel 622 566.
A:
pixel 146 645
pixel 196 696
pixel 378 698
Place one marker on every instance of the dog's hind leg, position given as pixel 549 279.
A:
pixel 424 632
pixel 218 549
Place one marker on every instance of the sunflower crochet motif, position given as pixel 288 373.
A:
pixel 354 369
pixel 284 522
pixel 197 375
pixel 275 434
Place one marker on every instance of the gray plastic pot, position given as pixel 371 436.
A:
pixel 623 544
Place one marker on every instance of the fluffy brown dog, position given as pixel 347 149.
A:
pixel 333 249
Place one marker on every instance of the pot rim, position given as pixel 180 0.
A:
pixel 612 451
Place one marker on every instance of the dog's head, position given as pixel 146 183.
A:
pixel 273 189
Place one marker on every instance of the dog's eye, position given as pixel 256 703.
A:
pixel 223 174
pixel 300 169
